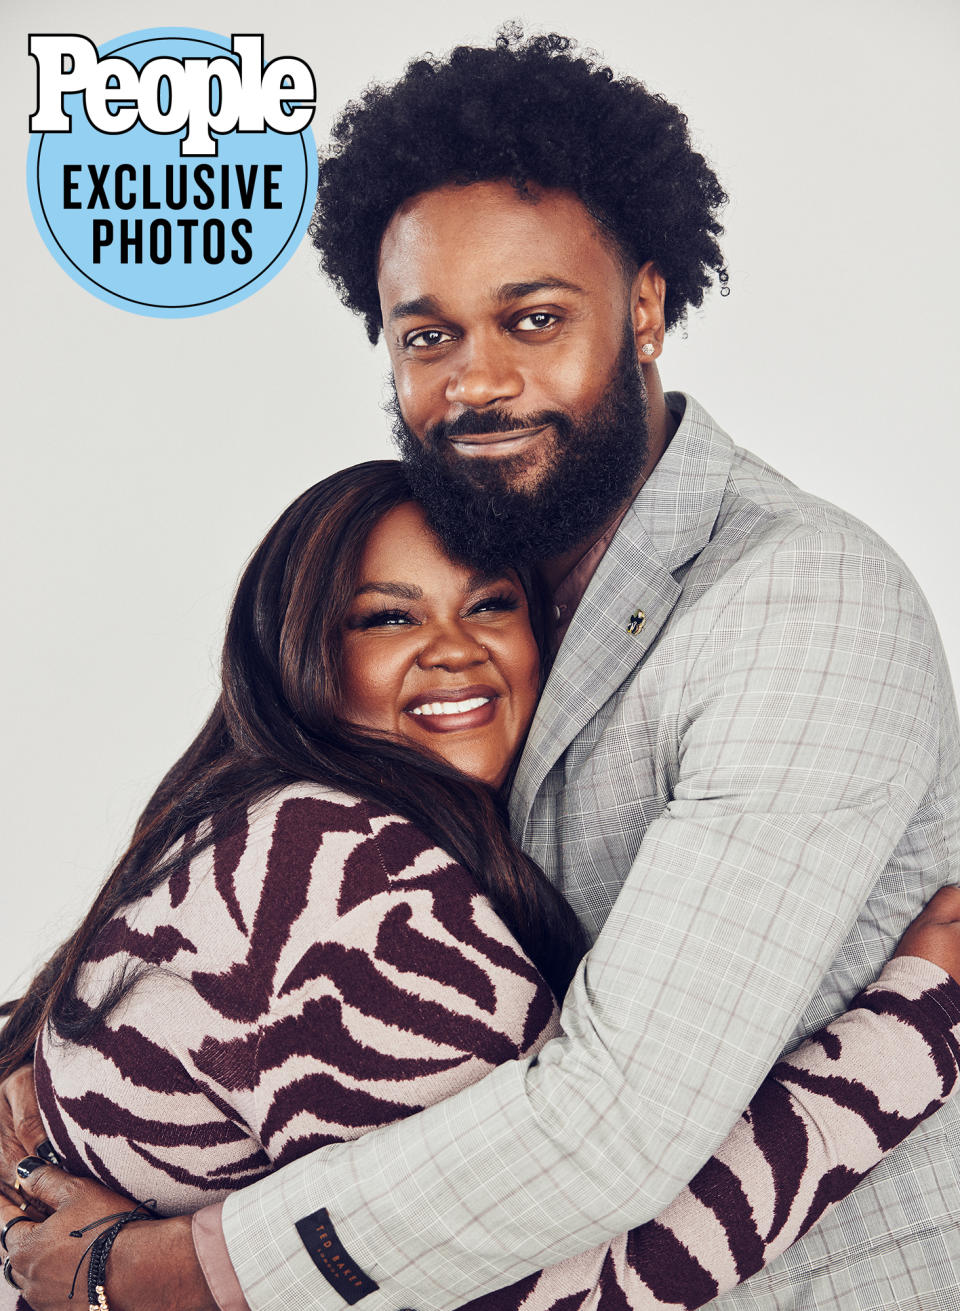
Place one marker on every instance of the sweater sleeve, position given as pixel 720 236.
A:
pixel 823 1118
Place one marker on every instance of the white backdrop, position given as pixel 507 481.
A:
pixel 143 458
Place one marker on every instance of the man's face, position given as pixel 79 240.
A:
pixel 521 402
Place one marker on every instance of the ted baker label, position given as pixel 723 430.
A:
pixel 332 1259
pixel 171 172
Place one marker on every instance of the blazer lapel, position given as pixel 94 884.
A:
pixel 597 655
pixel 669 522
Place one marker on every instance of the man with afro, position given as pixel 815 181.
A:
pixel 743 769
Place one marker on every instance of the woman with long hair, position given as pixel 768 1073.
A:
pixel 322 924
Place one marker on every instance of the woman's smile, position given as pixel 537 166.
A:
pixel 451 711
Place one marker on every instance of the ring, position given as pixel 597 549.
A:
pixel 18 1188
pixel 17 1220
pixel 8 1275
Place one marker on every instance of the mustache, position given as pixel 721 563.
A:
pixel 486 421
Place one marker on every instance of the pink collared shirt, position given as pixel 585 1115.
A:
pixel 211 1248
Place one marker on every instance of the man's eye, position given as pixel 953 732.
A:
pixel 426 338
pixel 536 321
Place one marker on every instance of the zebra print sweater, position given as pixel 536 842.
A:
pixel 323 969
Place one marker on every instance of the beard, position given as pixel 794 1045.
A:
pixel 479 506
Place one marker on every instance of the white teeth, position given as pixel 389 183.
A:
pixel 451 707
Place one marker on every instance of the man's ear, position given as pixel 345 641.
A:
pixel 647 292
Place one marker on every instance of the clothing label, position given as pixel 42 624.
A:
pixel 171 172
pixel 331 1258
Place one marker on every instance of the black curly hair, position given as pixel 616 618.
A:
pixel 528 109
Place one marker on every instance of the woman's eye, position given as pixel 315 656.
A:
pixel 383 619
pixel 501 601
pixel 426 338
pixel 536 321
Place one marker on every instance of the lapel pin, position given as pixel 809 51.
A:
pixel 637 620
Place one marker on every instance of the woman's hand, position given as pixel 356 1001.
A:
pixel 152 1265
pixel 21 1129
pixel 935 933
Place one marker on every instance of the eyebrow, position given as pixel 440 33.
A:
pixel 409 592
pixel 419 305
pixel 406 591
pixel 504 294
pixel 483 579
pixel 517 290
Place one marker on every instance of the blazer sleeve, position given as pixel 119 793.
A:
pixel 808 741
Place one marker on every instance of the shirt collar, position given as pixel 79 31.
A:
pixel 569 591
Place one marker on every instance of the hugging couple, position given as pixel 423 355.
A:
pixel 564 774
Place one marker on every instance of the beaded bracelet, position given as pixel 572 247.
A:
pixel 97 1269
pixel 99 1251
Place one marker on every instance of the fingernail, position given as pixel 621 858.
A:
pixel 47 1152
pixel 27 1166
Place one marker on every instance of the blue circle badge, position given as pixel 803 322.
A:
pixel 171 172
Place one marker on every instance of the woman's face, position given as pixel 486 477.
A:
pixel 437 654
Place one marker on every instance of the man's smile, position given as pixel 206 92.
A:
pixel 497 443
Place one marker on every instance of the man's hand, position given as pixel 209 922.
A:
pixel 152 1265
pixel 935 933
pixel 42 1255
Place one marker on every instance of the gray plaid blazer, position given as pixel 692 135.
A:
pixel 743 773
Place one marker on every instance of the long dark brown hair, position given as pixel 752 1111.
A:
pixel 279 719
